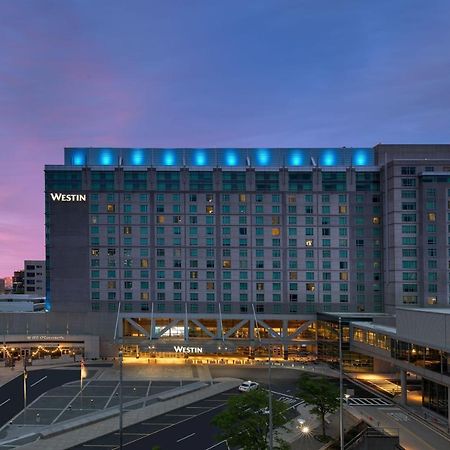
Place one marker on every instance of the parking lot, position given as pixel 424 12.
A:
pixel 69 401
pixel 187 427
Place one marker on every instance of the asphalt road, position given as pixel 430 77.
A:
pixel 283 380
pixel 39 382
pixel 187 427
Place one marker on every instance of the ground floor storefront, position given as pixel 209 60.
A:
pixel 40 347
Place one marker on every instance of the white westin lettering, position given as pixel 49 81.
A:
pixel 182 349
pixel 59 197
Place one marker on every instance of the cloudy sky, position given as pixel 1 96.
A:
pixel 208 73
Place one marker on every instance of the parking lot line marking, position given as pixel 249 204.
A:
pixel 180 415
pixel 156 423
pixel 198 407
pixel 6 401
pixel 38 381
pixel 215 445
pixel 186 437
pixel 112 395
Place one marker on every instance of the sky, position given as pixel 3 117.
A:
pixel 208 73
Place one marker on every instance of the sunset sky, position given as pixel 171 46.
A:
pixel 211 73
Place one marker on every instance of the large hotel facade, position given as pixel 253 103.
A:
pixel 245 245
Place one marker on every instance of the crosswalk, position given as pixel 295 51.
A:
pixel 292 402
pixel 375 401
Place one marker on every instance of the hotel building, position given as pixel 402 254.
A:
pixel 246 244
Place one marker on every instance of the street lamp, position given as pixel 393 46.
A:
pixel 25 377
pixel 341 390
pixel 120 400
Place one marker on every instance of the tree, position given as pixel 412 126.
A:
pixel 320 393
pixel 245 421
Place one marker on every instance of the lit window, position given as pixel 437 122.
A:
pixel 126 230
pixel 432 300
pixel 209 198
pixel 309 242
pixel 226 264
pixel 259 286
pixel 310 287
pixel 95 252
pixel 110 207
pixel 292 275
pixel 242 198
pixel 343 276
pixel 160 219
pixel 342 209
pixel 194 275
pixel 210 210
pixel 432 217
pixel 376 220
pixel 275 231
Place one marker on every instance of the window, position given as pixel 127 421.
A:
pixel 408 170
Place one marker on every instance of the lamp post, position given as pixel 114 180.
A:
pixel 25 377
pixel 120 400
pixel 270 400
pixel 341 390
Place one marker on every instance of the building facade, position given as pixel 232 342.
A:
pixel 245 244
pixel 34 277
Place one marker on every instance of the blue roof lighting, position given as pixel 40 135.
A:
pixel 106 158
pixel 360 158
pixel 231 158
pixel 169 158
pixel 137 157
pixel 263 156
pixel 328 158
pixel 200 158
pixel 296 158
pixel 79 158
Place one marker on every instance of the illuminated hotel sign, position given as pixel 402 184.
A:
pixel 182 349
pixel 59 197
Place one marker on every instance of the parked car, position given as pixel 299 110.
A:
pixel 248 386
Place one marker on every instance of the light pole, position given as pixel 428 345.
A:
pixel 120 400
pixel 25 377
pixel 341 390
pixel 270 400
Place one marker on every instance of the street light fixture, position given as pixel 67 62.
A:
pixel 341 389
pixel 120 400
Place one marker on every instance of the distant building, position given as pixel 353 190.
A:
pixel 2 286
pixel 17 282
pixel 21 303
pixel 34 277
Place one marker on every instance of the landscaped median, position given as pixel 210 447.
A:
pixel 77 431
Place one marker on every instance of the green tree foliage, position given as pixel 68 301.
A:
pixel 245 421
pixel 320 393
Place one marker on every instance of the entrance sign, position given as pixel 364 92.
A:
pixel 182 349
